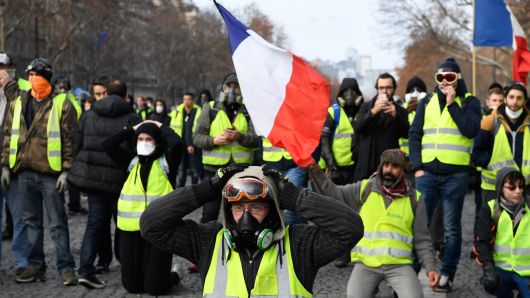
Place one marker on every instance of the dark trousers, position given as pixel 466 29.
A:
pixel 102 207
pixel 144 267
pixel 74 197
pixel 193 162
pixel 210 210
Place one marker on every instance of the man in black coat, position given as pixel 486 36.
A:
pixel 379 125
pixel 99 176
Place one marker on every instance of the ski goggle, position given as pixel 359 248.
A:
pixel 245 189
pixel 449 77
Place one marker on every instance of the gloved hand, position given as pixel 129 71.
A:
pixel 490 280
pixel 279 178
pixel 4 180
pixel 61 182
pixel 222 176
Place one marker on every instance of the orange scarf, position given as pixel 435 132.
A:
pixel 40 87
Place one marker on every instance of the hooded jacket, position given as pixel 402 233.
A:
pixel 93 169
pixel 350 194
pixel 335 231
pixel 486 228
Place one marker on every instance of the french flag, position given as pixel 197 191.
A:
pixel 286 99
pixel 496 26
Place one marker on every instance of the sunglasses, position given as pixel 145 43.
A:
pixel 448 77
pixel 249 188
pixel 512 187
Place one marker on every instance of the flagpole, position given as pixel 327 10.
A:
pixel 474 56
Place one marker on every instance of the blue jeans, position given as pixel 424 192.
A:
pixel 450 191
pixel 19 245
pixel 298 177
pixel 193 162
pixel 101 208
pixel 510 281
pixel 34 190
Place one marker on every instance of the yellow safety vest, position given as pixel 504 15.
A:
pixel 143 113
pixel 388 236
pixel 442 139
pixel 273 154
pixel 53 132
pixel 342 139
pixel 23 85
pixel 404 142
pixel 133 197
pixel 177 119
pixel 76 105
pixel 274 279
pixel 502 157
pixel 512 252
pixel 220 155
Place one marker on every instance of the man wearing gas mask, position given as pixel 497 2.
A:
pixel 440 139
pixel 395 221
pixel 416 91
pixel 338 140
pixel 252 252
pixel 226 135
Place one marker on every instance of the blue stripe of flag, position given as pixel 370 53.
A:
pixel 493 27
pixel 237 31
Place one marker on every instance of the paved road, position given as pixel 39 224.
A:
pixel 330 282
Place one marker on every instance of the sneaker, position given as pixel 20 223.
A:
pixel 91 282
pixel 69 278
pixel 102 268
pixel 30 274
pixel 445 285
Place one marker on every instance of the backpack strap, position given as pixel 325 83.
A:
pixel 414 200
pixel 336 115
pixel 163 164
pixel 366 189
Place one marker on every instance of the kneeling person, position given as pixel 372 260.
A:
pixel 252 253
pixel 396 222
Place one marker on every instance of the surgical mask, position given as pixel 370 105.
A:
pixel 40 87
pixel 414 95
pixel 511 114
pixel 159 109
pixel 231 97
pixel 145 148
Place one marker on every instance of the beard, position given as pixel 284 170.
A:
pixel 389 181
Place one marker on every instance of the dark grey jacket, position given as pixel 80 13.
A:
pixel 336 230
pixel 350 194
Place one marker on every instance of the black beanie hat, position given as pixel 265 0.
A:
pixel 154 131
pixel 449 64
pixel 416 82
pixel 42 67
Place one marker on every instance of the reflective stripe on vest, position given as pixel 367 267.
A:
pixel 342 139
pixel 512 252
pixel 220 155
pixel 177 119
pixel 388 237
pixel 404 142
pixel 502 157
pixel 273 154
pixel 133 197
pixel 53 132
pixel 274 278
pixel 442 139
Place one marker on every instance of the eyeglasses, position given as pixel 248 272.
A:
pixel 512 187
pixel 449 77
pixel 253 209
pixel 249 188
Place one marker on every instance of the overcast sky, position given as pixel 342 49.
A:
pixel 325 29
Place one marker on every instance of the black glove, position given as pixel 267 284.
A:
pixel 490 280
pixel 279 178
pixel 222 176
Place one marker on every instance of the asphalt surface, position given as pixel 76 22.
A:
pixel 330 281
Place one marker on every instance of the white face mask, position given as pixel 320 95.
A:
pixel 144 148
pixel 159 109
pixel 511 114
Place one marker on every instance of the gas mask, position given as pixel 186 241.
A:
pixel 247 229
